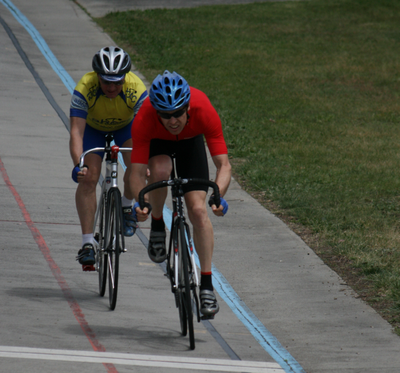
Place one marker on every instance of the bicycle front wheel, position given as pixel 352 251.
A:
pixel 185 279
pixel 99 232
pixel 182 312
pixel 114 243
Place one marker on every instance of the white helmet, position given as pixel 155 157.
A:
pixel 112 63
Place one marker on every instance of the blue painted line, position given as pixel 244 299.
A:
pixel 262 335
pixel 222 286
pixel 42 45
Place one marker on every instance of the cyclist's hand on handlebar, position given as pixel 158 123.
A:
pixel 142 215
pixel 221 210
pixel 78 174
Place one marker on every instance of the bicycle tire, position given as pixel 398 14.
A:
pixel 171 264
pixel 193 285
pixel 186 294
pixel 99 233
pixel 114 242
pixel 182 313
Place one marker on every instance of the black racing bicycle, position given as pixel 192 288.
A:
pixel 109 241
pixel 181 266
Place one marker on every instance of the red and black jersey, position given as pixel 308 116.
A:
pixel 204 120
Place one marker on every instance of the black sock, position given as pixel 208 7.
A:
pixel 206 281
pixel 157 225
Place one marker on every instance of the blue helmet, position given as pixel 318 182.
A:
pixel 169 91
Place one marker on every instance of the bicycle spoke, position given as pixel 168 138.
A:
pixel 110 268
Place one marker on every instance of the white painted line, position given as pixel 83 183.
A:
pixel 147 264
pixel 174 362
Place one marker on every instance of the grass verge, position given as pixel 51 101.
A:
pixel 308 93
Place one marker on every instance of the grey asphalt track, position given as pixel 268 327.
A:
pixel 52 319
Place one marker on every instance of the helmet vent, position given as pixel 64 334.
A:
pixel 116 62
pixel 106 62
pixel 178 93
pixel 160 97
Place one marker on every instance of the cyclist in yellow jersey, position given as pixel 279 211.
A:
pixel 105 100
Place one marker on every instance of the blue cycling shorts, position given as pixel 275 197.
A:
pixel 93 138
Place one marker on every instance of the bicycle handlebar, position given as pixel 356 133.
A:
pixel 105 149
pixel 179 181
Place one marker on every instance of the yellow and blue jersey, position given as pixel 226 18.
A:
pixel 102 113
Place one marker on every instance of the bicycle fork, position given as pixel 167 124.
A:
pixel 191 256
pixel 177 252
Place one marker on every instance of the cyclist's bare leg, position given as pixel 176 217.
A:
pixel 85 196
pixel 160 167
pixel 203 237
pixel 203 233
pixel 127 160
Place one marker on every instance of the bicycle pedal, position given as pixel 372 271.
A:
pixel 207 317
pixel 88 268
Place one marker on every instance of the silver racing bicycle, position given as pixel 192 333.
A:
pixel 109 241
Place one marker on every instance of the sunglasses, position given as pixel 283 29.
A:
pixel 175 114
pixel 106 82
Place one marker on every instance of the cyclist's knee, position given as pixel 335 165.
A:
pixel 160 168
pixel 88 184
pixel 159 173
pixel 198 215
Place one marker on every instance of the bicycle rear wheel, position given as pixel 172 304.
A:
pixel 185 285
pixel 99 232
pixel 114 243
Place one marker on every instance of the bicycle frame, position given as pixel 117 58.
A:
pixel 178 207
pixel 178 219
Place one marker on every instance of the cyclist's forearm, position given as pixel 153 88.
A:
pixel 137 179
pixel 138 186
pixel 223 180
pixel 76 150
pixel 76 138
pixel 224 173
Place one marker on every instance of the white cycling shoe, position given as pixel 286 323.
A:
pixel 208 303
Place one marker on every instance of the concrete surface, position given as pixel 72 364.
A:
pixel 48 303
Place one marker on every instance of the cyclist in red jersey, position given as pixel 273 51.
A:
pixel 174 119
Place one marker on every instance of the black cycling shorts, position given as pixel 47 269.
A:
pixel 191 158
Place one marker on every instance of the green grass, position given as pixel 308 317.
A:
pixel 308 93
